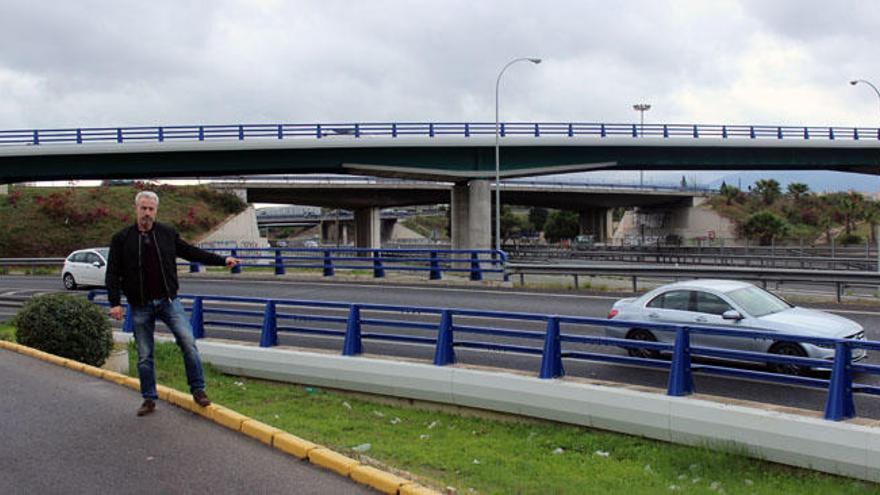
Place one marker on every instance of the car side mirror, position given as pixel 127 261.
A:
pixel 731 314
pixel 97 264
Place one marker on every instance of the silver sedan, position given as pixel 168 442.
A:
pixel 734 305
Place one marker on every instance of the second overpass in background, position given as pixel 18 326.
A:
pixel 365 196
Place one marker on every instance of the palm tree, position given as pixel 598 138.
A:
pixel 729 193
pixel 797 190
pixel 768 190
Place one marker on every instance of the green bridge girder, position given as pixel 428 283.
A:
pixel 450 162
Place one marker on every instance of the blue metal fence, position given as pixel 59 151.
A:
pixel 441 328
pixel 434 262
pixel 243 132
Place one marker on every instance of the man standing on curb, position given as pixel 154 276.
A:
pixel 143 266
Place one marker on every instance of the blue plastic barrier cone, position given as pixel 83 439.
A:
pixel 444 353
pixel 128 324
pixel 435 273
pixel 197 318
pixel 352 344
pixel 681 380
pixel 551 362
pixel 269 334
pixel 279 263
pixel 840 403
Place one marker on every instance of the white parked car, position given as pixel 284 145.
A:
pixel 735 305
pixel 85 267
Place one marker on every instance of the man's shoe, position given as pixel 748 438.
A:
pixel 147 407
pixel 201 398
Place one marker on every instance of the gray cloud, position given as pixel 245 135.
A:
pixel 124 63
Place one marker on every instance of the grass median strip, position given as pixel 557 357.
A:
pixel 479 455
pixel 503 455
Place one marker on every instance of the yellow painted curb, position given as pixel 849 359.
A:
pixel 293 445
pixel 74 364
pixel 229 418
pixel 133 383
pixel 259 430
pixel 378 479
pixel 334 461
pixel 181 400
pixel 163 392
pixel 115 377
pixel 206 412
pixel 93 371
pixel 5 344
pixel 416 489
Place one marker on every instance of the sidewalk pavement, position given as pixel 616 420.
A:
pixel 67 432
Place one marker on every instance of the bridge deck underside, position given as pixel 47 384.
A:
pixel 428 162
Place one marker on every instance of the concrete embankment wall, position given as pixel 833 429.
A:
pixel 845 448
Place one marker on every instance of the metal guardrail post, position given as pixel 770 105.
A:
pixel 352 345
pixel 840 404
pixel 194 267
pixel 476 271
pixel 269 333
pixel 551 361
pixel 197 318
pixel 128 323
pixel 378 269
pixel 444 353
pixel 279 263
pixel 237 268
pixel 435 273
pixel 328 264
pixel 681 380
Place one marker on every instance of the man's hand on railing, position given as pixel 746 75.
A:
pixel 116 313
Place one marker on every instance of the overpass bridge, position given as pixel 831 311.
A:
pixel 461 153
pixel 363 194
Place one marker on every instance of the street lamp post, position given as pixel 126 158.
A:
pixel 856 81
pixel 498 149
pixel 641 108
pixel 876 229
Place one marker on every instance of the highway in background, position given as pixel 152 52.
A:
pixel 591 305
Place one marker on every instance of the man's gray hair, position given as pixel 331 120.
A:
pixel 148 195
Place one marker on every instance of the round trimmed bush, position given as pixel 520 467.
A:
pixel 66 326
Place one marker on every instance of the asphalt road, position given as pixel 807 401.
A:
pixel 68 433
pixel 500 300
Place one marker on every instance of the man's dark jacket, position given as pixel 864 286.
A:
pixel 124 272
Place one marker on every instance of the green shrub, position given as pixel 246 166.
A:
pixel 66 326
pixel 847 239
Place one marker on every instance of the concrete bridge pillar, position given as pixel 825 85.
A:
pixel 471 209
pixel 367 228
pixel 596 222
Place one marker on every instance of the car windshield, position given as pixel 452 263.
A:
pixel 105 252
pixel 758 302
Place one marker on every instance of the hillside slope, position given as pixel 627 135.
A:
pixel 53 221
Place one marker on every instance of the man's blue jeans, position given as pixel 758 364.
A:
pixel 171 312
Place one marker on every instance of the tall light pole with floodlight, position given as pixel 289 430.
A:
pixel 877 229
pixel 498 149
pixel 641 108
pixel 856 81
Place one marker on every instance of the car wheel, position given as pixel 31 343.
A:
pixel 644 335
pixel 69 282
pixel 788 349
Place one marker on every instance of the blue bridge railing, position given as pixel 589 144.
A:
pixel 246 132
pixel 554 338
pixel 434 262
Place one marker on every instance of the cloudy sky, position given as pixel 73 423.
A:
pixel 94 63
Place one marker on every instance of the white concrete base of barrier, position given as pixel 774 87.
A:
pixel 843 448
